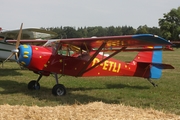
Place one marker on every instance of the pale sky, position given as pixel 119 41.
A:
pixel 81 13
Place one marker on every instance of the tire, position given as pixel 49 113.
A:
pixel 59 90
pixel 33 85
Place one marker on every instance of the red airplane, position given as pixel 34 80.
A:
pixel 82 57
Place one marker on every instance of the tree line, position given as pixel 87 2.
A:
pixel 72 32
pixel 169 29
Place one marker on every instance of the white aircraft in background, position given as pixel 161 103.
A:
pixel 27 34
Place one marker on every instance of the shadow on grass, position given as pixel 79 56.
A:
pixel 74 95
pixel 109 86
pixel 10 72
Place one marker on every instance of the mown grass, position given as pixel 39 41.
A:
pixel 137 92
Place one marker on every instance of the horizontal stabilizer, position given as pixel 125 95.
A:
pixel 163 66
pixel 156 69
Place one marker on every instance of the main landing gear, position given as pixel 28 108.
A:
pixel 57 90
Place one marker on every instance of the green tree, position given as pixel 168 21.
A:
pixel 155 31
pixel 92 31
pixel 170 24
pixel 128 30
pixel 118 30
pixel 148 30
pixel 111 31
pixel 69 32
pixel 142 30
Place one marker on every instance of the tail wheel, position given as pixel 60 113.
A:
pixel 33 85
pixel 59 90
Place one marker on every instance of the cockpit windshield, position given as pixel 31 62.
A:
pixel 51 43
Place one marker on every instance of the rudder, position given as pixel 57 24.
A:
pixel 156 70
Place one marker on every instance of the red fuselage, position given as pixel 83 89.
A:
pixel 46 60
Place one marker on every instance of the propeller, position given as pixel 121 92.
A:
pixel 15 51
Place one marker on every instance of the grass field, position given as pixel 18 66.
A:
pixel 131 91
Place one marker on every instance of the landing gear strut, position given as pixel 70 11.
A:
pixel 155 85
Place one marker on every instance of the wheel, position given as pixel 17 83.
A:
pixel 33 85
pixel 59 90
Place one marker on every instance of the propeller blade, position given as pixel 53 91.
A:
pixel 17 58
pixel 19 36
pixel 9 57
pixel 15 51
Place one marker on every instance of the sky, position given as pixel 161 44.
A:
pixel 83 13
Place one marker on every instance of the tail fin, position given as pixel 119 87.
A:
pixel 150 56
pixel 153 62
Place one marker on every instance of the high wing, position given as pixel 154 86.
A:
pixel 107 42
pixel 116 42
pixel 29 33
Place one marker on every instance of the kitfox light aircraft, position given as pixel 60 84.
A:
pixel 82 57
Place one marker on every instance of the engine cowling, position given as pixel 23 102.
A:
pixel 34 58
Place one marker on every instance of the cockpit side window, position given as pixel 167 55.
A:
pixel 65 50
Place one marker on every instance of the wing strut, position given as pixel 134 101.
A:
pixel 91 59
pixel 116 52
pixel 86 47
